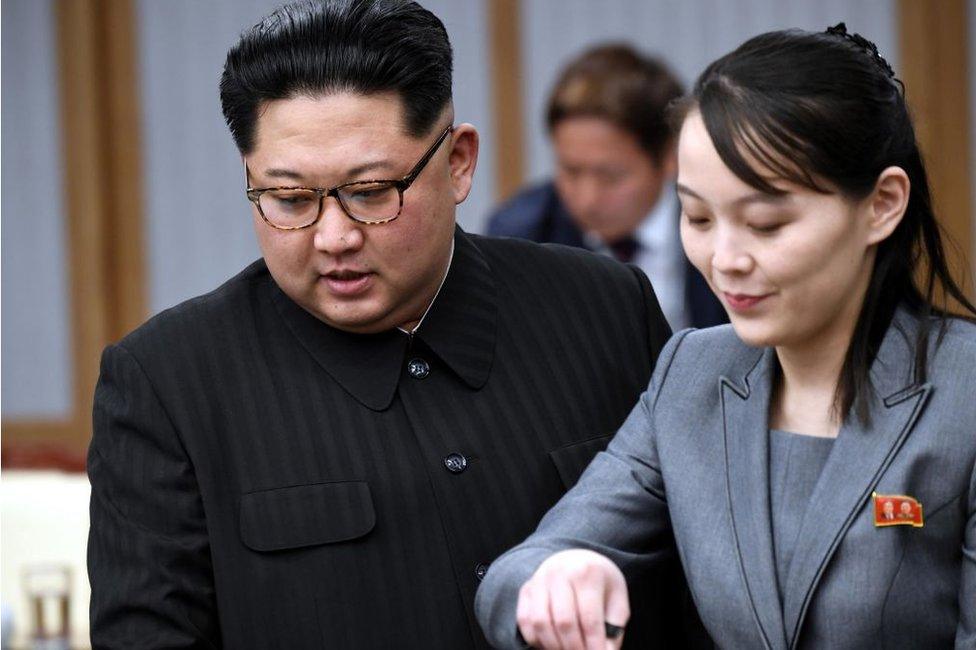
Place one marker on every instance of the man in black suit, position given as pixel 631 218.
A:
pixel 613 188
pixel 331 448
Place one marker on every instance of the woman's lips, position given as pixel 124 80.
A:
pixel 347 284
pixel 743 302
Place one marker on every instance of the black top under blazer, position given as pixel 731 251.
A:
pixel 261 480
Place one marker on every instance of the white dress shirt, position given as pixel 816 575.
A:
pixel 660 256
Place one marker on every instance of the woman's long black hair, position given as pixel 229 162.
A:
pixel 825 110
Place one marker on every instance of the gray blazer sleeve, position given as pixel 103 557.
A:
pixel 618 508
pixel 966 630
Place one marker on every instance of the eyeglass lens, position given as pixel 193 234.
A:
pixel 368 202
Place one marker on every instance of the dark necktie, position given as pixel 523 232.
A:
pixel 624 249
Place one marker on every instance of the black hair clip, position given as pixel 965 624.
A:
pixel 840 29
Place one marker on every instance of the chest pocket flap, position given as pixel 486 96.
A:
pixel 306 515
pixel 573 458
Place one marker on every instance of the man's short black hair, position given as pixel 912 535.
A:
pixel 317 47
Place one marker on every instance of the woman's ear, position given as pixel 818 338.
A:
pixel 887 203
pixel 464 158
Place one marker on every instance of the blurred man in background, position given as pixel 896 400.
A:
pixel 615 167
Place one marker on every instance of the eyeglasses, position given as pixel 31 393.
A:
pixel 368 202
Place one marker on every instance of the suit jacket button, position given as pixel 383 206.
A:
pixel 480 570
pixel 455 463
pixel 418 368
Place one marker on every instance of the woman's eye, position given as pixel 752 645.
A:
pixel 766 229
pixel 697 221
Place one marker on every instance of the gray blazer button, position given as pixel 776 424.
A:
pixel 455 463
pixel 418 368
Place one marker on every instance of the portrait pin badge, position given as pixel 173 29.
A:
pixel 896 510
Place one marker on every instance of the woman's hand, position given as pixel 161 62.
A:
pixel 576 600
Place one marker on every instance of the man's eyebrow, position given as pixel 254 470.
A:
pixel 284 173
pixel 755 197
pixel 368 167
pixel 350 174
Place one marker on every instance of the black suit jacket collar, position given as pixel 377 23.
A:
pixel 460 329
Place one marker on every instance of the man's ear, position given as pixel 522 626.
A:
pixel 463 159
pixel 887 203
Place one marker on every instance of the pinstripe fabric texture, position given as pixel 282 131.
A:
pixel 261 480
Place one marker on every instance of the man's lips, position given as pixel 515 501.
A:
pixel 741 302
pixel 347 283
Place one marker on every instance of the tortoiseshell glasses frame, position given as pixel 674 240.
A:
pixel 367 201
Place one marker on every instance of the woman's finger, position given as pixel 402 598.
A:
pixel 617 609
pixel 590 602
pixel 564 613
pixel 526 613
pixel 534 617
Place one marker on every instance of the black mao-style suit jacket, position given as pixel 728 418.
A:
pixel 261 480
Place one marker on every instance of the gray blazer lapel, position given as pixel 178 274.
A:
pixel 745 409
pixel 859 458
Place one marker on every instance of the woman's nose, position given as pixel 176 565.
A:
pixel 730 255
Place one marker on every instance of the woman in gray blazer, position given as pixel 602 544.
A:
pixel 814 462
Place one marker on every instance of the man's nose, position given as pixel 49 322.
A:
pixel 587 196
pixel 335 232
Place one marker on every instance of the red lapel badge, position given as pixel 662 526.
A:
pixel 896 510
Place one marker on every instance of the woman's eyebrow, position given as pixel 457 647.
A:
pixel 761 197
pixel 754 197
pixel 684 189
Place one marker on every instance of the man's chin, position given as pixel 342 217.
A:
pixel 360 316
pixel 356 323
pixel 611 235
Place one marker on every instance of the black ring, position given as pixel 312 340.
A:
pixel 613 631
